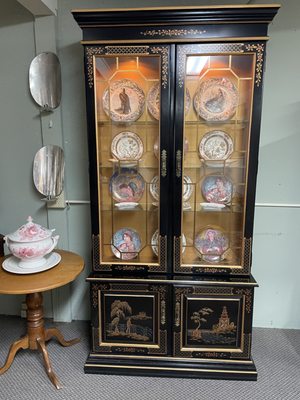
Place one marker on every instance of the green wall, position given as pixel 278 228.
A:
pixel 23 131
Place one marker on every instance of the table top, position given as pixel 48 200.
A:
pixel 70 266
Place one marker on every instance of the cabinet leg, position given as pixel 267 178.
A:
pixel 50 373
pixel 22 343
pixel 54 332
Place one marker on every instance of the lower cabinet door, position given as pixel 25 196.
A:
pixel 130 318
pixel 212 322
pixel 171 328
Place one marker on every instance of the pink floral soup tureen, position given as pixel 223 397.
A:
pixel 31 243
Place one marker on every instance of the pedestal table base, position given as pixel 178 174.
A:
pixel 37 336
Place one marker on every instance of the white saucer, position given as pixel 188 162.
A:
pixel 126 205
pixel 212 206
pixel 11 264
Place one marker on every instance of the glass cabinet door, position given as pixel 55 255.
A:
pixel 129 157
pixel 215 134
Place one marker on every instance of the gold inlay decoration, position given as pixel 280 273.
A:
pixel 126 50
pixel 177 347
pixel 163 312
pixel 95 295
pixel 212 290
pixel 172 32
pixel 259 48
pixel 203 48
pixel 248 298
pixel 90 53
pixel 178 163
pixel 129 287
pixel 164 163
pixel 164 51
pixel 247 254
pixel 246 348
pixel 96 256
pixel 177 253
pixel 177 314
pixel 212 354
pixel 163 253
pixel 162 349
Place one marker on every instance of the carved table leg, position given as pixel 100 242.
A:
pixel 36 331
pixel 22 343
pixel 54 332
pixel 37 336
pixel 50 373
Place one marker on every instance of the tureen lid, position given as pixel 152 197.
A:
pixel 30 232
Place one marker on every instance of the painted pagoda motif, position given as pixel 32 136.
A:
pixel 224 324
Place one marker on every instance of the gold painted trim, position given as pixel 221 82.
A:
pixel 190 360
pixel 187 282
pixel 185 40
pixel 210 266
pixel 199 369
pixel 217 297
pixel 172 32
pixel 259 50
pixel 212 7
pixel 103 343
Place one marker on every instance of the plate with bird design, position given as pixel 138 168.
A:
pixel 216 100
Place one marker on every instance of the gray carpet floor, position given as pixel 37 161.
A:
pixel 276 354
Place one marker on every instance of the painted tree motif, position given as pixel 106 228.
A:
pixel 120 310
pixel 198 318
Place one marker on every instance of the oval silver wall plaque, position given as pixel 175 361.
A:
pixel 45 80
pixel 48 171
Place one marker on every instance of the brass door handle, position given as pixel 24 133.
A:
pixel 164 163
pixel 178 163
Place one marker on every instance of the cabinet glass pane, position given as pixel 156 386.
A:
pixel 127 127
pixel 217 123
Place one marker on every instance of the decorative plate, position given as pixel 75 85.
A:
pixel 217 189
pixel 123 101
pixel 156 146
pixel 12 264
pixel 126 243
pixel 153 101
pixel 154 242
pixel 216 145
pixel 212 243
pixel 216 99
pixel 187 188
pixel 127 185
pixel 154 187
pixel 127 146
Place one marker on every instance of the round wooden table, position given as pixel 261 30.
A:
pixel 70 266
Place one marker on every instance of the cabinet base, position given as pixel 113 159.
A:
pixel 166 367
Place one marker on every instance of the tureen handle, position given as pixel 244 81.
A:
pixel 54 240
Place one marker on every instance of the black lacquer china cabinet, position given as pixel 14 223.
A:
pixel 174 101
